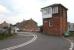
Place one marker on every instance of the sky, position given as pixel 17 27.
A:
pixel 13 11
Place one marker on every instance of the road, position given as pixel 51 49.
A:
pixel 42 42
pixel 19 39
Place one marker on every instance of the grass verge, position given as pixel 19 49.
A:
pixel 6 36
pixel 71 37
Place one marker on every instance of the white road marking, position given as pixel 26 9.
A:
pixel 23 44
pixel 72 44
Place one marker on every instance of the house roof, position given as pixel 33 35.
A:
pixel 30 20
pixel 55 5
pixel 26 22
pixel 4 24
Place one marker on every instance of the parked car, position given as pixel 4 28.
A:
pixel 66 34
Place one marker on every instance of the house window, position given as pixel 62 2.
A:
pixel 49 23
pixel 47 12
pixel 55 10
pixel 44 12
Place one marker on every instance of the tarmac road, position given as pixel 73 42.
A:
pixel 19 39
pixel 44 42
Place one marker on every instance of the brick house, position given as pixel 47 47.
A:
pixel 28 25
pixel 54 19
pixel 4 27
pixel 4 24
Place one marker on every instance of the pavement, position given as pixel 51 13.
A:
pixel 40 42
pixel 72 41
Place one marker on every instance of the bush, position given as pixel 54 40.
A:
pixel 72 33
pixel 68 34
pixel 5 36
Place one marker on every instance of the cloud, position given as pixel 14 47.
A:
pixel 3 9
pixel 14 19
pixel 17 10
pixel 25 9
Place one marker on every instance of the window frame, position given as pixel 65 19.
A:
pixel 49 23
pixel 54 10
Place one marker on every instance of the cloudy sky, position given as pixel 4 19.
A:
pixel 14 11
